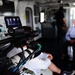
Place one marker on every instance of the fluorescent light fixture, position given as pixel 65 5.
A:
pixel 73 3
pixel 7 14
pixel 61 1
pixel 42 17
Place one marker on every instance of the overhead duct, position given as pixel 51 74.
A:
pixel 8 6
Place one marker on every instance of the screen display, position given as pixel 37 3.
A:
pixel 12 21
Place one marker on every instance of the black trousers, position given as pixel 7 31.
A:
pixel 60 34
pixel 65 51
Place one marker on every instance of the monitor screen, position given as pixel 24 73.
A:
pixel 12 21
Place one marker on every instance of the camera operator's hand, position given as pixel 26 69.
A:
pixel 72 41
pixel 50 56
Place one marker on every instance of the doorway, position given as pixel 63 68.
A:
pixel 29 17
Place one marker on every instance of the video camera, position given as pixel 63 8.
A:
pixel 19 36
pixel 19 33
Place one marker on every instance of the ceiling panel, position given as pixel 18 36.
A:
pixel 54 1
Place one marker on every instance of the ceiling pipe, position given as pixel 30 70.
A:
pixel 47 4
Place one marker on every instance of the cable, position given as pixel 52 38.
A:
pixel 24 61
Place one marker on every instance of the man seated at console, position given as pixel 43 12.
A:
pixel 70 41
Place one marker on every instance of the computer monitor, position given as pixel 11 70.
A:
pixel 12 21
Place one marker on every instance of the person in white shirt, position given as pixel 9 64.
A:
pixel 70 41
pixel 42 61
